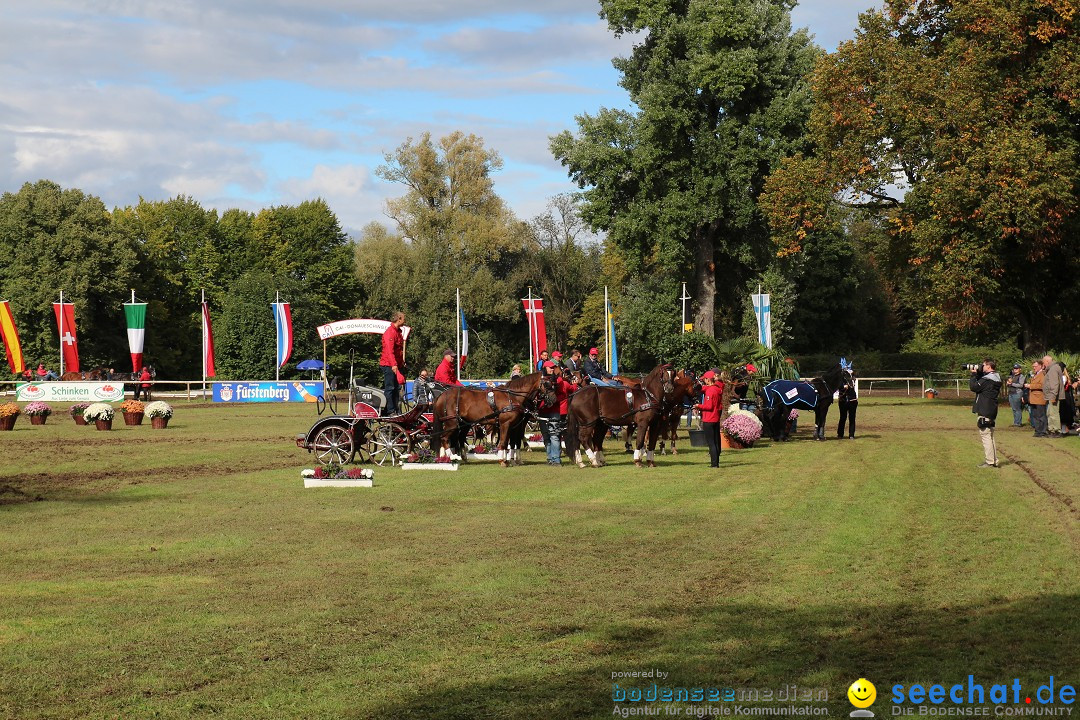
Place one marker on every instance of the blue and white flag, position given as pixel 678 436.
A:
pixel 283 320
pixel 763 313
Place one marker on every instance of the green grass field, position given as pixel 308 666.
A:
pixel 187 572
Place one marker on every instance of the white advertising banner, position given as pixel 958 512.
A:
pixel 70 392
pixel 358 325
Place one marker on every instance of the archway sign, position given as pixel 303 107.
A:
pixel 354 326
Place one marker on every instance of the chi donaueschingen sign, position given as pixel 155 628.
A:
pixel 62 392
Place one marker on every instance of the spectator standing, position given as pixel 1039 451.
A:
pixel 544 357
pixel 392 362
pixel 710 407
pixel 573 363
pixel 1016 394
pixel 144 382
pixel 848 403
pixel 986 384
pixel 554 414
pixel 1037 399
pixel 1054 390
pixel 1068 402
pixel 515 372
pixel 422 389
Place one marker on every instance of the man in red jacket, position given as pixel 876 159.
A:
pixel 446 373
pixel 711 407
pixel 554 416
pixel 392 362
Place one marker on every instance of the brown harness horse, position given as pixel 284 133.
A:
pixel 671 412
pixel 590 412
pixel 98 373
pixel 505 406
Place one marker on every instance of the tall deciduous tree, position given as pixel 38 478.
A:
pixel 721 98
pixel 973 108
pixel 53 239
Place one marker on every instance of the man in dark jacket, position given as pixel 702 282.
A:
pixel 986 384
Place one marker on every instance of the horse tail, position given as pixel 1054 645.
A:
pixel 573 441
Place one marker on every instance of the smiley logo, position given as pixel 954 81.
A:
pixel 862 693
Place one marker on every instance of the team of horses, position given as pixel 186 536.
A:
pixel 649 409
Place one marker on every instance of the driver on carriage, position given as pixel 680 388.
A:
pixel 596 372
pixel 446 373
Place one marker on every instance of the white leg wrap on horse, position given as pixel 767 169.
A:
pixel 502 455
pixel 591 454
pixel 649 454
pixel 637 455
pixel 577 456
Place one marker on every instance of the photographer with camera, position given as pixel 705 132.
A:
pixel 986 384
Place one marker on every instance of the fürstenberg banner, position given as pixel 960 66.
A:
pixel 61 392
pixel 267 391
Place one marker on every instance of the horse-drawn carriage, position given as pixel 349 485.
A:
pixel 365 435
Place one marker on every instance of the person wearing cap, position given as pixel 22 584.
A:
pixel 446 373
pixel 1016 394
pixel 554 415
pixel 544 357
pixel 595 370
pixel 557 358
pixel 710 407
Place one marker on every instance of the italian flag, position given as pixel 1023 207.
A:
pixel 136 331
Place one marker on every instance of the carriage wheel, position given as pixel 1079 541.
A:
pixel 390 443
pixel 334 444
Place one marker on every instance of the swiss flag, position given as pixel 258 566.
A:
pixel 69 343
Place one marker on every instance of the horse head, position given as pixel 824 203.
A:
pixel 547 389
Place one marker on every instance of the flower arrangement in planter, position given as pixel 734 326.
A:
pixel 101 414
pixel 9 413
pixel 159 413
pixel 38 412
pixel 133 412
pixel 425 458
pixel 77 411
pixel 332 474
pixel 742 427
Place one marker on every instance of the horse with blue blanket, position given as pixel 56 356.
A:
pixel 780 397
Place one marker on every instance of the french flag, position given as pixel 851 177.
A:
pixel 283 320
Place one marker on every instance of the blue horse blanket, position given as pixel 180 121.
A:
pixel 791 393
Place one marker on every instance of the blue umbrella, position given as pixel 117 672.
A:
pixel 310 365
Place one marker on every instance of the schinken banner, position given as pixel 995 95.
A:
pixel 61 392
pixel 236 392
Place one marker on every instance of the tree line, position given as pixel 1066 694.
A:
pixel 917 186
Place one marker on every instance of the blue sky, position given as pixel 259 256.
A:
pixel 252 103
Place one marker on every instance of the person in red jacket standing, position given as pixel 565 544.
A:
pixel 446 373
pixel 392 362
pixel 710 407
pixel 554 416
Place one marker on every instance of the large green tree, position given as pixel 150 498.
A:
pixel 54 239
pixel 959 122
pixel 721 97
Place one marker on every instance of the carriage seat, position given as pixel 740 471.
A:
pixel 369 402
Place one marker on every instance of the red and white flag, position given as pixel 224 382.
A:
pixel 534 314
pixel 69 343
pixel 208 343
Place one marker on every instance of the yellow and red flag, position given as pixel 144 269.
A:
pixel 11 339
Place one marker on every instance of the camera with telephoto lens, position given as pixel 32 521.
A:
pixel 973 367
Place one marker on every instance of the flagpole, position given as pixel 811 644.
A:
pixel 277 366
pixel 607 332
pixel 529 315
pixel 684 298
pixel 202 325
pixel 457 333
pixel 61 333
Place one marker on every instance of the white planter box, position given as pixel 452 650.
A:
pixel 452 467
pixel 316 482
pixel 484 456
pixel 536 445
